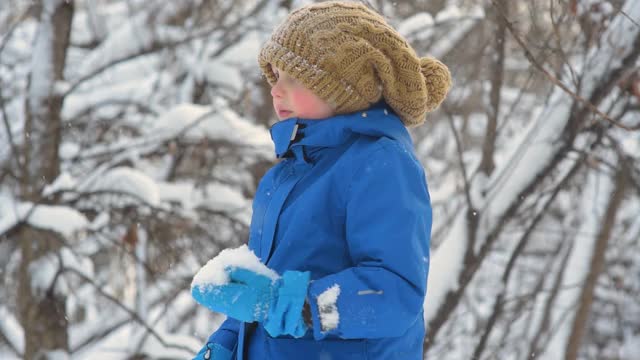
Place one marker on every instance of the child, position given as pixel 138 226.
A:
pixel 346 216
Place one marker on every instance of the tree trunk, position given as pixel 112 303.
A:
pixel 597 84
pixel 597 264
pixel 487 164
pixel 42 310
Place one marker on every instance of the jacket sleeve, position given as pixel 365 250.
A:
pixel 226 335
pixel 388 229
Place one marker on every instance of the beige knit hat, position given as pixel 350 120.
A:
pixel 350 57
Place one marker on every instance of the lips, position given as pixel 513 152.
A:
pixel 283 113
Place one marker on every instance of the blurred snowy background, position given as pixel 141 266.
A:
pixel 134 132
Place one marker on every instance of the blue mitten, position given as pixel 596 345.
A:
pixel 247 297
pixel 213 351
pixel 285 315
pixel 250 297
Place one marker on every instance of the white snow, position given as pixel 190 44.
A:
pixel 128 181
pixel 596 10
pixel 57 354
pixel 44 270
pixel 328 310
pixel 61 219
pixel 68 150
pixel 523 164
pixel 132 37
pixel 176 346
pixel 219 72
pixel 631 347
pixel 156 350
pixel 449 13
pixel 415 23
pixel 216 122
pixel 214 273
pixel 11 328
pixel 631 145
pixel 155 81
pixel 99 221
pixel 244 52
pixel 477 124
pixel 446 264
pixel 41 62
pixel 123 339
pixel 445 192
pixel 214 196
pixel 578 267
pixel 464 23
pixel 134 87
pixel 72 260
pixel 64 181
pixel 535 148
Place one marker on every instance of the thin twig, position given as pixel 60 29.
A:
pixel 627 16
pixel 550 77
pixel 5 117
pixel 565 57
pixel 465 178
pixel 130 312
pixel 154 47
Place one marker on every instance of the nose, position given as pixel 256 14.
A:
pixel 276 90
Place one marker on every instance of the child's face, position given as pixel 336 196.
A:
pixel 292 99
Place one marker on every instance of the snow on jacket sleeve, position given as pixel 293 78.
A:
pixel 227 334
pixel 388 227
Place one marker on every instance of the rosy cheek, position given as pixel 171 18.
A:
pixel 303 100
pixel 308 105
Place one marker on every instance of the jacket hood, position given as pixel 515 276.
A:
pixel 292 134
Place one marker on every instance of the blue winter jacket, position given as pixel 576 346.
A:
pixel 349 203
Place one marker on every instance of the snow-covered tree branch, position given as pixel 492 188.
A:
pixel 134 134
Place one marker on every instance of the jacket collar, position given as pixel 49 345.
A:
pixel 297 136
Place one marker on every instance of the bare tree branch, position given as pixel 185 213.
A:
pixel 597 264
pixel 529 55
pixel 132 314
pixel 487 163
pixel 517 252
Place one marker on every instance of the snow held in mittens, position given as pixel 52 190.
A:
pixel 214 272
pixel 329 316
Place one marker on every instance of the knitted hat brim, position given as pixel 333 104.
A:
pixel 340 95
